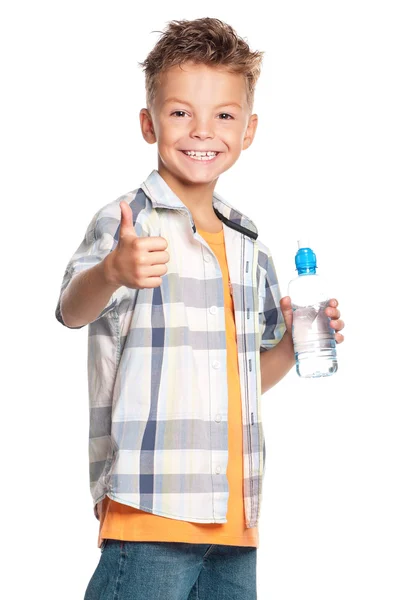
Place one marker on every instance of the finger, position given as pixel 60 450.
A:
pixel 152 282
pixel 286 302
pixel 339 337
pixel 126 220
pixel 158 258
pixel 156 270
pixel 153 243
pixel 333 313
pixel 333 302
pixel 337 325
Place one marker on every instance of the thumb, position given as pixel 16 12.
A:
pixel 287 311
pixel 126 220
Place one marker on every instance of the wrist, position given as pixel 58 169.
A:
pixel 109 271
pixel 287 343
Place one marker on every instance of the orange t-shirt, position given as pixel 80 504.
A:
pixel 122 522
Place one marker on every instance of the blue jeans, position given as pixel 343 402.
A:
pixel 173 571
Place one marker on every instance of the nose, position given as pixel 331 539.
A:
pixel 202 129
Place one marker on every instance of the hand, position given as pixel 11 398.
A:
pixel 331 310
pixel 136 262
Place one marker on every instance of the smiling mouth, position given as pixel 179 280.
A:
pixel 205 156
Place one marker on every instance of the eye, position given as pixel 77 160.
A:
pixel 226 115
pixel 179 111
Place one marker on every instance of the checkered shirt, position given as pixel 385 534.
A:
pixel 157 362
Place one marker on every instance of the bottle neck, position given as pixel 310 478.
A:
pixel 307 271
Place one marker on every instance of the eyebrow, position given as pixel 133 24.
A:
pixel 178 101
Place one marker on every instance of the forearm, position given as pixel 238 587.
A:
pixel 276 363
pixel 87 294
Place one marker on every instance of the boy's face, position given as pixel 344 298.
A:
pixel 202 109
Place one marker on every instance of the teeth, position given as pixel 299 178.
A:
pixel 201 155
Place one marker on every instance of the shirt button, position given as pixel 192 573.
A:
pixel 216 364
pixel 218 470
pixel 207 257
pixel 213 310
pixel 218 418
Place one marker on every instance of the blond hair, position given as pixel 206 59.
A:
pixel 205 41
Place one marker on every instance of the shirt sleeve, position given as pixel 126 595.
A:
pixel 272 323
pixel 99 240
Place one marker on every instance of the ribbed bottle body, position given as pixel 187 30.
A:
pixel 313 337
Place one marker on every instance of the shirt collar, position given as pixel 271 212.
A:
pixel 163 196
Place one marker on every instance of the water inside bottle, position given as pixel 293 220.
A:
pixel 314 341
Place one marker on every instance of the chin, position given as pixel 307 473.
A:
pixel 192 178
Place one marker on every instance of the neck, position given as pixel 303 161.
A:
pixel 198 198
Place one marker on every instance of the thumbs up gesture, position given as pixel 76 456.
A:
pixel 137 262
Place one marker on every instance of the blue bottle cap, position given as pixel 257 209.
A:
pixel 305 259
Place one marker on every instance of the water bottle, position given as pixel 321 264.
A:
pixel 313 337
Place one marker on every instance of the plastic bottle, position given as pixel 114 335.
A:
pixel 313 337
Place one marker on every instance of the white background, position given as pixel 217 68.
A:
pixel 323 164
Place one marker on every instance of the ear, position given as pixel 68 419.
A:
pixel 250 131
pixel 147 128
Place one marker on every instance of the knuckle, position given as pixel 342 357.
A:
pixel 139 283
pixel 140 259
pixel 140 273
pixel 138 244
pixel 139 241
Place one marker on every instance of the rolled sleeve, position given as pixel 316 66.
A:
pixel 272 323
pixel 99 240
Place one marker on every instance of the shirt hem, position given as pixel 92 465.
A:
pixel 117 498
pixel 204 539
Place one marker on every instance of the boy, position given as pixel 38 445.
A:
pixel 186 331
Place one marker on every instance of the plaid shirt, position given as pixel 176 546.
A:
pixel 157 364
